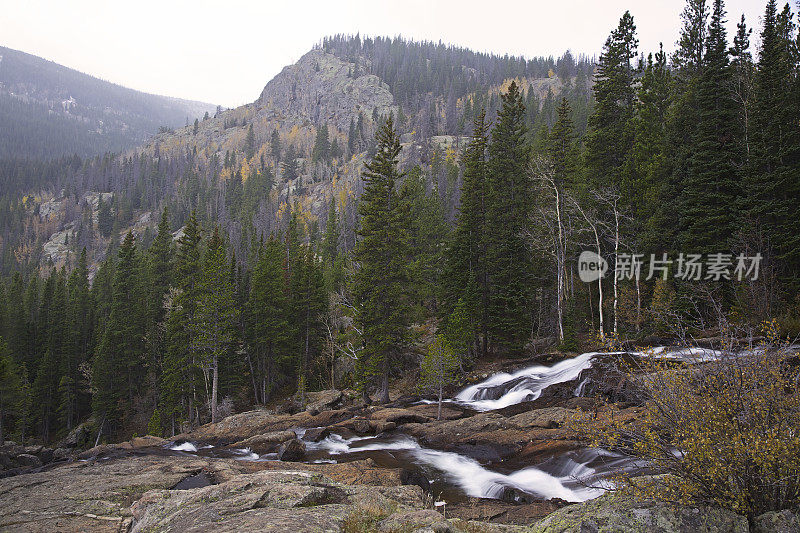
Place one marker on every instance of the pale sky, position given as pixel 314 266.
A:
pixel 224 52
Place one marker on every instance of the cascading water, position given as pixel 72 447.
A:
pixel 472 478
pixel 502 390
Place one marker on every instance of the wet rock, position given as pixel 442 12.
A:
pixel 361 425
pixel 500 512
pixel 619 513
pixel 415 477
pixel 266 443
pixel 549 417
pixel 316 434
pixel 292 450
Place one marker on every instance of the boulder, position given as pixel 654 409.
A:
pixel 620 513
pixel 322 400
pixel 549 417
pixel 147 441
pixel 316 434
pixel 292 450
pixel 414 520
pixel 267 442
pixel 785 521
pixel 28 460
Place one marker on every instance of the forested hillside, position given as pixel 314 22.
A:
pixel 381 193
pixel 48 110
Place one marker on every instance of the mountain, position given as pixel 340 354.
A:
pixel 300 144
pixel 48 110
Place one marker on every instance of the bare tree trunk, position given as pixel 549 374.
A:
pixel 439 411
pixel 616 255
pixel 214 389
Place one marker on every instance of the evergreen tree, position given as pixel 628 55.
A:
pixel 380 283
pixel 180 363
pixel 711 187
pixel 275 145
pixel 250 143
pixel 266 325
pixel 214 322
pixel 309 303
pixel 10 388
pixel 119 360
pixel 466 276
pixel 80 319
pixel 610 139
pixel 509 260
pixel 322 146
pixel 773 182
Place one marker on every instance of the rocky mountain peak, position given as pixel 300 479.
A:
pixel 321 88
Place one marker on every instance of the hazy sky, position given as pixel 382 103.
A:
pixel 224 52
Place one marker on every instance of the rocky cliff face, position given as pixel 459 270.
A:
pixel 320 88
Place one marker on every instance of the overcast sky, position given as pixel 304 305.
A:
pixel 223 52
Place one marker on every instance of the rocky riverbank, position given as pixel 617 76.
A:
pixel 311 470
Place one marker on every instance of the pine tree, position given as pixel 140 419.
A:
pixel 773 181
pixel 509 260
pixel 275 146
pixel 610 139
pixel 466 270
pixel 80 319
pixel 308 303
pixel 250 143
pixel 322 146
pixel 711 187
pixel 213 324
pixel 332 262
pixel 178 394
pixel 427 235
pixel 648 166
pixel 105 220
pixel 10 388
pixel 119 360
pixel 266 324
pixel 380 283
pixel 291 169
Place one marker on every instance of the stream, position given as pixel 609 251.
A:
pixel 574 476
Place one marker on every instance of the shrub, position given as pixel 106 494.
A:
pixel 725 432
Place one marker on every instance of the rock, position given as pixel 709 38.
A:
pixel 619 513
pixel 379 426
pixel 328 95
pixel 785 521
pixel 411 520
pixel 415 477
pixel 316 434
pixel 147 441
pixel 79 437
pixel 398 416
pixel 61 454
pixel 322 400
pixel 26 459
pixel 497 511
pixel 549 417
pixel 292 450
pixel 361 425
pixel 266 443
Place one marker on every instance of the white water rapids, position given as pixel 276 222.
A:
pixel 478 481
